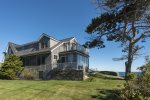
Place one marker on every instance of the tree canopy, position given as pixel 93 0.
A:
pixel 123 21
pixel 11 67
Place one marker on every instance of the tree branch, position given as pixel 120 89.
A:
pixel 136 40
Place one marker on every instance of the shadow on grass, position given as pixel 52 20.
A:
pixel 104 94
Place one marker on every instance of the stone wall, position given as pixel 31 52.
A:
pixel 55 74
pixel 68 74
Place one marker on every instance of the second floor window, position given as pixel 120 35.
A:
pixel 44 44
pixel 55 56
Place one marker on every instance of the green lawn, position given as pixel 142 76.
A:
pixel 57 89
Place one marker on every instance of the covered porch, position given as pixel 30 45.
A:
pixel 72 60
pixel 36 60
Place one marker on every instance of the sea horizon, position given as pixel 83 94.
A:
pixel 123 73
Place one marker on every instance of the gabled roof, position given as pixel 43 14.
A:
pixel 67 39
pixel 33 47
pixel 29 43
pixel 46 35
pixel 61 42
pixel 13 47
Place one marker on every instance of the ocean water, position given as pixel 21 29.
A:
pixel 123 73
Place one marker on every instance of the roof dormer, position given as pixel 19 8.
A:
pixel 44 42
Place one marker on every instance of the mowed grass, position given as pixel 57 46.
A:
pixel 56 89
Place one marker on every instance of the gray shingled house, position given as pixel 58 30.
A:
pixel 47 54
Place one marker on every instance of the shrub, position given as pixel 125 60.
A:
pixel 11 68
pixel 139 88
pixel 29 74
pixel 9 74
pixel 131 76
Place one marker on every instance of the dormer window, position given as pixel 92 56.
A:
pixel 44 44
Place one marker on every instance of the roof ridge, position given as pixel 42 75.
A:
pixel 67 38
pixel 28 43
pixel 13 43
pixel 44 34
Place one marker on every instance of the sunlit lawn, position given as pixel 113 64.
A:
pixel 55 89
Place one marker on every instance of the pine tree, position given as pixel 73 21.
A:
pixel 123 21
pixel 11 67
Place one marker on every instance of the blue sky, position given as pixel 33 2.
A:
pixel 23 21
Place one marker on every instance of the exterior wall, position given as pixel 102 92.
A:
pixel 72 56
pixel 68 74
pixel 35 71
pixel 48 60
pixel 46 68
pixel 52 42
pixel 56 52
pixel 56 74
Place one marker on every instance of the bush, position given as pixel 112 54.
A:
pixel 11 68
pixel 131 76
pixel 9 74
pixel 29 74
pixel 139 88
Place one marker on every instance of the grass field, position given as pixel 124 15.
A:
pixel 58 89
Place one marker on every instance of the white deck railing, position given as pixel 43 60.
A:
pixel 77 47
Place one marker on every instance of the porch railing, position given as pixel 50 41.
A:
pixel 77 47
pixel 59 66
pixel 68 65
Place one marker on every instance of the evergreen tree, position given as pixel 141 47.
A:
pixel 123 21
pixel 11 67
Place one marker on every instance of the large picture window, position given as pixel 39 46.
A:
pixel 82 60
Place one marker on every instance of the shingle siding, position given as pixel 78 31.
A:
pixel 53 47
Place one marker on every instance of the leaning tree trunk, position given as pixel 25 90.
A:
pixel 128 64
